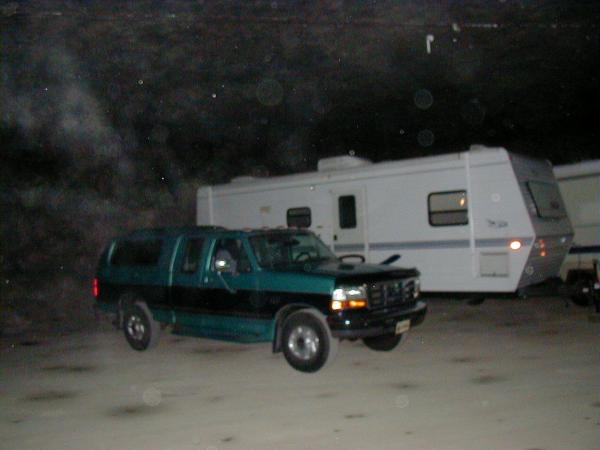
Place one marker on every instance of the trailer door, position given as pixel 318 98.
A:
pixel 349 222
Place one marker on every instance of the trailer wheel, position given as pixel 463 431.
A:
pixel 140 328
pixel 583 288
pixel 383 343
pixel 307 342
pixel 476 301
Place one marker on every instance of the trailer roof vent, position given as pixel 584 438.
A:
pixel 478 148
pixel 341 162
pixel 242 179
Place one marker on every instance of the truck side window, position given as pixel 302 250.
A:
pixel 137 253
pixel 191 256
pixel 232 251
pixel 448 208
pixel 347 211
pixel 298 217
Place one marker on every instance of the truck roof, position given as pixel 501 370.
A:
pixel 144 233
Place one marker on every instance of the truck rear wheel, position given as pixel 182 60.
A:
pixel 307 342
pixel 140 328
pixel 383 343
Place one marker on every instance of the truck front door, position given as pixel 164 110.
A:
pixel 187 291
pixel 233 290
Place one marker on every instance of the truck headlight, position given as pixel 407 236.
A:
pixel 417 290
pixel 348 298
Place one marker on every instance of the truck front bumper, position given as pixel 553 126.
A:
pixel 360 325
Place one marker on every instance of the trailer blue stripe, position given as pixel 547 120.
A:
pixel 420 245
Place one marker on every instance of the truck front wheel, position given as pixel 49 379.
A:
pixel 140 328
pixel 383 343
pixel 307 342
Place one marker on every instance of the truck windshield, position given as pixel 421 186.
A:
pixel 283 249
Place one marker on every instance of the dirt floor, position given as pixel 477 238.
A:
pixel 506 374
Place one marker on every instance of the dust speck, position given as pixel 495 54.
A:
pixel 487 379
pixel 68 369
pixel 403 386
pixel 133 410
pixel 47 396
pixel 219 350
pixel 326 395
pixel 464 359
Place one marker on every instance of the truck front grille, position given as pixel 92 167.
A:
pixel 391 293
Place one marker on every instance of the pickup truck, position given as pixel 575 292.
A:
pixel 282 286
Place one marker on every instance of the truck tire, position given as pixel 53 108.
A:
pixel 383 343
pixel 140 328
pixel 307 342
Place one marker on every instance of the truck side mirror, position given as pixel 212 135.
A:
pixel 222 266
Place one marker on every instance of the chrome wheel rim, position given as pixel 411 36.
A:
pixel 303 342
pixel 136 328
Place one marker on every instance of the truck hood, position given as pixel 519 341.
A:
pixel 345 273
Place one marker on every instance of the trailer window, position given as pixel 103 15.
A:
pixel 192 255
pixel 448 208
pixel 298 217
pixel 347 211
pixel 137 253
pixel 546 199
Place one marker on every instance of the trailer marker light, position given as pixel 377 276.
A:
pixel 95 287
pixel 515 245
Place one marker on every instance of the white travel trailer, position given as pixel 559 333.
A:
pixel 480 221
pixel 580 189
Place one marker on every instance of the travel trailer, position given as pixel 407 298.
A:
pixel 580 189
pixel 481 221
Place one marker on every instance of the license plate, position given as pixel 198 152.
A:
pixel 402 326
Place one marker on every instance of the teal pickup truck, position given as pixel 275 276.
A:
pixel 281 286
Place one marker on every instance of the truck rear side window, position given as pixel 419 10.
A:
pixel 448 208
pixel 546 198
pixel 298 217
pixel 191 257
pixel 347 211
pixel 137 253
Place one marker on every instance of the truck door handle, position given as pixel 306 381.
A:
pixel 335 237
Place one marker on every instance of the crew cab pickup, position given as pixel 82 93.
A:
pixel 282 286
